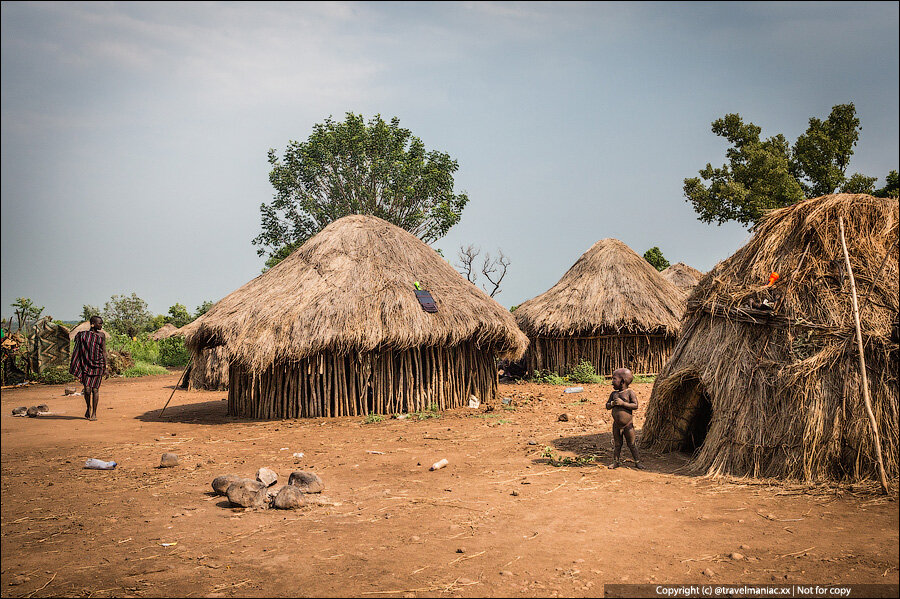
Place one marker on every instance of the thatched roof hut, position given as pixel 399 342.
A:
pixel 164 332
pixel 682 276
pixel 611 308
pixel 765 380
pixel 336 329
pixel 85 326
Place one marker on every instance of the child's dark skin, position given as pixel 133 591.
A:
pixel 623 402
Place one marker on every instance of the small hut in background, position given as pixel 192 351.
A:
pixel 86 326
pixel 682 276
pixel 164 332
pixel 612 309
pixel 765 380
pixel 337 329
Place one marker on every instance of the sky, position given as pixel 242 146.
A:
pixel 135 135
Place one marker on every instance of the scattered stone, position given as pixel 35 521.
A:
pixel 220 484
pixel 33 412
pixel 43 408
pixel 168 460
pixel 308 482
pixel 19 411
pixel 736 556
pixel 461 550
pixel 709 573
pixel 563 418
pixel 247 493
pixel 505 573
pixel 70 391
pixel 531 442
pixel 289 497
pixel 515 493
pixel 745 547
pixel 266 476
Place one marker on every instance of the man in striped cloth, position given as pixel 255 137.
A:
pixel 89 363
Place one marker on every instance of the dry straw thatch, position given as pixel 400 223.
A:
pixel 336 329
pixel 682 276
pixel 164 332
pixel 85 326
pixel 611 308
pixel 777 393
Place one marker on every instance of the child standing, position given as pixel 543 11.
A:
pixel 623 402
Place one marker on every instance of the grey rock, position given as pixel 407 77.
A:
pixel 43 408
pixel 20 410
pixel 168 460
pixel 563 418
pixel 289 497
pixel 220 484
pixel 308 482
pixel 70 391
pixel 33 412
pixel 266 476
pixel 532 442
pixel 247 493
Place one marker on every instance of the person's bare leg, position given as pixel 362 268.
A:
pixel 96 397
pixel 617 440
pixel 87 402
pixel 630 436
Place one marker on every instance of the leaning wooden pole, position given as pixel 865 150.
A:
pixel 862 362
pixel 178 384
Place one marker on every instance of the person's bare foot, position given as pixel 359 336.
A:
pixel 614 465
pixel 87 414
pixel 640 466
pixel 93 417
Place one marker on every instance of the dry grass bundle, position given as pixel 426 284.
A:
pixel 611 308
pixel 348 293
pixel 682 276
pixel 209 369
pixel 776 392
pixel 164 332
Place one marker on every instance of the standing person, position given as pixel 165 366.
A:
pixel 623 402
pixel 89 364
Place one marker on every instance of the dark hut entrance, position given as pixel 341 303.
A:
pixel 693 423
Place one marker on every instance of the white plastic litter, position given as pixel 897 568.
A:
pixel 95 464
pixel 439 465
pixel 298 455
pixel 574 389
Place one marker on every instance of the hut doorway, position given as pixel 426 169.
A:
pixel 696 416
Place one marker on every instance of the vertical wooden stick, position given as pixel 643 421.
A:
pixel 862 362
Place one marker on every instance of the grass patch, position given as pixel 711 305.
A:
pixel 373 419
pixel 432 412
pixel 548 378
pixel 55 375
pixel 142 368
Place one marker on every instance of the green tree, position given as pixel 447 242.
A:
pixel 891 188
pixel 88 310
pixel 127 315
pixel 157 322
pixel 655 257
pixel 762 174
pixel 354 167
pixel 179 315
pixel 26 311
pixel 203 308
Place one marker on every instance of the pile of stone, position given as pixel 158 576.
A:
pixel 32 412
pixel 261 492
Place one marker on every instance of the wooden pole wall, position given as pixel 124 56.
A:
pixel 642 354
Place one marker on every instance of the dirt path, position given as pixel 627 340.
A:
pixel 500 520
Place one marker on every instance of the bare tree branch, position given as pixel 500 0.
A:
pixel 467 256
pixel 494 269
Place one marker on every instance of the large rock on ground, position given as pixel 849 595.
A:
pixel 220 484
pixel 289 497
pixel 247 493
pixel 308 482
pixel 266 476
pixel 168 460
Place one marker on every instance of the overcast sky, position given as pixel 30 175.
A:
pixel 134 136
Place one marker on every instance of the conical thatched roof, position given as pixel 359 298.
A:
pixel 682 276
pixel 85 326
pixel 610 287
pixel 777 391
pixel 350 289
pixel 164 332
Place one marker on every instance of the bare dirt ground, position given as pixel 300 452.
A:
pixel 500 520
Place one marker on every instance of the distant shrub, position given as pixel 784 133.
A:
pixel 584 373
pixel 172 352
pixel 55 375
pixel 142 368
pixel 547 377
pixel 140 348
pixel 373 418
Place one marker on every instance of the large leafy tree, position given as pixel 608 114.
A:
pixel 656 259
pixel 762 174
pixel 354 167
pixel 126 314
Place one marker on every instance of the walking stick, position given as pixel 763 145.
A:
pixel 178 384
pixel 862 363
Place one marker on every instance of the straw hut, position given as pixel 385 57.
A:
pixel 765 380
pixel 682 276
pixel 611 308
pixel 164 332
pixel 85 326
pixel 336 329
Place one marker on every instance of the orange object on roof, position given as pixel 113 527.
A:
pixel 772 278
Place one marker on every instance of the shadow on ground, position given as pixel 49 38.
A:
pixel 204 412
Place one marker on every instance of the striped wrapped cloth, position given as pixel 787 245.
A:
pixel 88 359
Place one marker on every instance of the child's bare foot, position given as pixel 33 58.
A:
pixel 87 414
pixel 614 465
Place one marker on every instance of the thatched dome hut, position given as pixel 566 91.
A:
pixel 85 326
pixel 682 276
pixel 164 332
pixel 611 308
pixel 336 329
pixel 765 380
